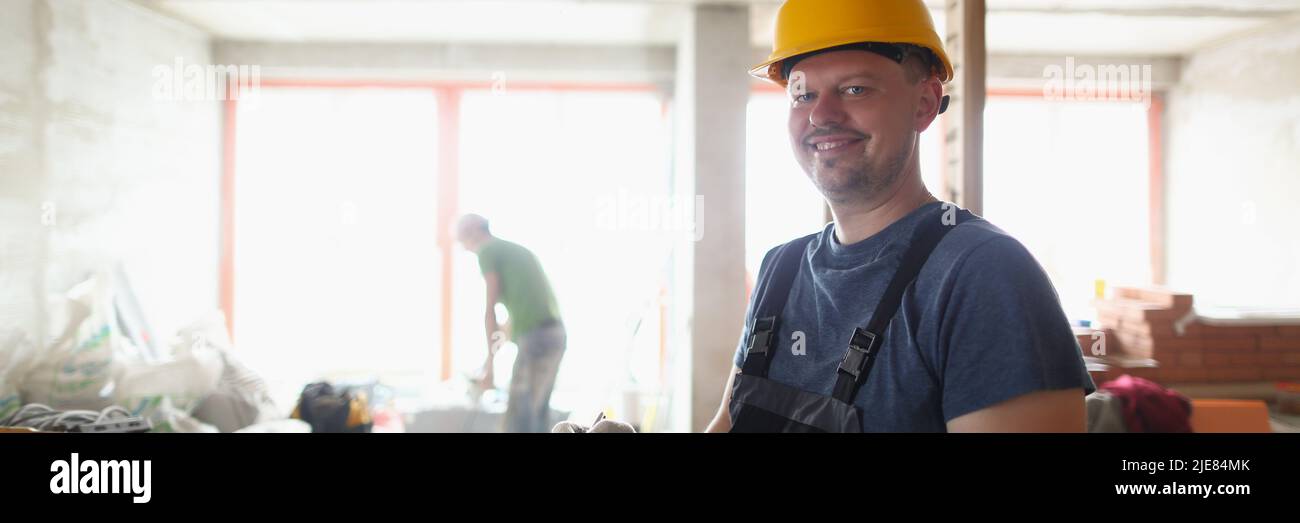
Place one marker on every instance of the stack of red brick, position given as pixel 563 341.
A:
pixel 1153 333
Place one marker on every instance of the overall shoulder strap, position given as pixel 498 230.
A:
pixel 771 294
pixel 866 341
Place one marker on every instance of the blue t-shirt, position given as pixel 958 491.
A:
pixel 981 324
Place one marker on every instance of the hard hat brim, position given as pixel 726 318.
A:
pixel 770 69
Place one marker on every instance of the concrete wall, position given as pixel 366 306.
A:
pixel 22 242
pixel 1233 171
pixel 94 168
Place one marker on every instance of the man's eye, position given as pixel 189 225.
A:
pixel 855 90
pixel 802 98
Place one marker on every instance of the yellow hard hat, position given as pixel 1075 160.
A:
pixel 807 26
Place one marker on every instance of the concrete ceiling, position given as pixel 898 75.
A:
pixel 1112 27
pixel 494 21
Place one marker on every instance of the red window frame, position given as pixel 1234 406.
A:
pixel 449 96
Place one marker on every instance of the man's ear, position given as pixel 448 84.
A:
pixel 930 102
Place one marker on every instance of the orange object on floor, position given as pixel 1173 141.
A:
pixel 1230 416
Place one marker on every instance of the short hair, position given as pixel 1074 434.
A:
pixel 919 63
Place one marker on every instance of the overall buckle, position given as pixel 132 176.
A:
pixel 862 348
pixel 760 340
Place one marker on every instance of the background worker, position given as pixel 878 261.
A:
pixel 514 278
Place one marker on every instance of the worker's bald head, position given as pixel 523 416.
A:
pixel 472 230
pixel 472 222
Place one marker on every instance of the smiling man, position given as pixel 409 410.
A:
pixel 906 314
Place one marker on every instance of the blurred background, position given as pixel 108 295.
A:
pixel 298 166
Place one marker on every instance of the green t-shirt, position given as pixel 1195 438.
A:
pixel 524 289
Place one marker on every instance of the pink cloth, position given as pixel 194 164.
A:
pixel 1148 407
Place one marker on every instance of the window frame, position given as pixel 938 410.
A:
pixel 449 95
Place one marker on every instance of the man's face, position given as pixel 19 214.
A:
pixel 853 121
pixel 465 236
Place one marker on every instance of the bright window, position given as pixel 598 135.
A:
pixel 335 260
pixel 781 203
pixel 581 179
pixel 1070 180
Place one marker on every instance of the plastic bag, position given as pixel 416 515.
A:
pixel 15 358
pixel 79 369
pixel 241 397
pixel 164 416
pixel 185 380
pixel 91 365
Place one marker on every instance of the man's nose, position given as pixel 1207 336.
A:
pixel 827 112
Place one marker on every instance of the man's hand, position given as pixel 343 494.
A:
pixel 485 378
pixel 601 425
pixel 722 420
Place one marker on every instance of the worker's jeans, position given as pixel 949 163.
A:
pixel 536 365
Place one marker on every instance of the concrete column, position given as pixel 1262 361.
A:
pixel 712 92
pixel 965 140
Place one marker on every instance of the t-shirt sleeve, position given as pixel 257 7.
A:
pixel 1003 333
pixel 739 358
